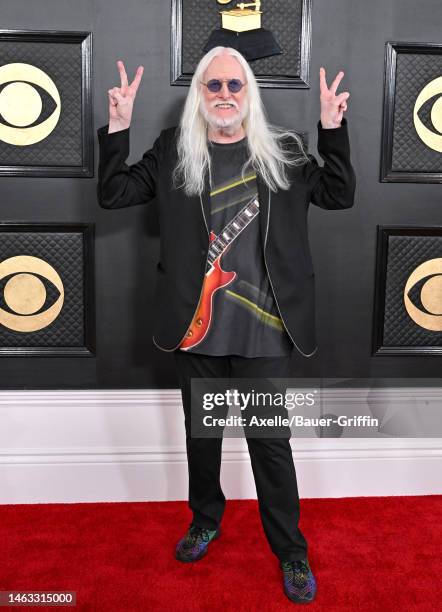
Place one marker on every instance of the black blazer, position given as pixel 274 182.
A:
pixel 184 229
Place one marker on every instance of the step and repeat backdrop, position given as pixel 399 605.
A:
pixel 76 281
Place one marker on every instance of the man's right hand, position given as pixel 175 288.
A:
pixel 121 100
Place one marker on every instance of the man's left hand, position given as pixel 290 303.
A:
pixel 332 105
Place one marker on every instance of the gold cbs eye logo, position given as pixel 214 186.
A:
pixel 21 104
pixel 430 295
pixel 25 293
pixel 431 139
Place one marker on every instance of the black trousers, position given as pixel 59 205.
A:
pixel 271 458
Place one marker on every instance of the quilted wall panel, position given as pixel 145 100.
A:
pixel 405 253
pixel 62 62
pixel 282 17
pixel 64 252
pixel 410 154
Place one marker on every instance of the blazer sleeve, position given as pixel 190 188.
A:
pixel 120 185
pixel 332 186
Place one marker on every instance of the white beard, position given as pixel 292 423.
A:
pixel 226 125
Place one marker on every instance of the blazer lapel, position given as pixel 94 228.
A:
pixel 205 203
pixel 264 211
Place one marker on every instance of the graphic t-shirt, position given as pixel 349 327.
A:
pixel 240 315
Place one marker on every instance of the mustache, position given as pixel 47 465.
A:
pixel 215 103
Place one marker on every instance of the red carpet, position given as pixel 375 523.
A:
pixel 369 553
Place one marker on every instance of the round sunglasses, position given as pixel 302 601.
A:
pixel 215 85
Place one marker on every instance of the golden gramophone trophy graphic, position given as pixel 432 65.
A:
pixel 242 19
pixel 241 28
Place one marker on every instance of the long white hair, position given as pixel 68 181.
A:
pixel 267 154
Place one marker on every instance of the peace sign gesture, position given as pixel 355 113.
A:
pixel 332 105
pixel 121 99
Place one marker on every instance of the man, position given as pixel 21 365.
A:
pixel 235 285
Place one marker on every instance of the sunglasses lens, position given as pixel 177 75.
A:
pixel 214 85
pixel 235 85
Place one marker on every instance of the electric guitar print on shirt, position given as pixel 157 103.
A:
pixel 215 277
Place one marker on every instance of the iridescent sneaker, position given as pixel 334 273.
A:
pixel 193 546
pixel 299 582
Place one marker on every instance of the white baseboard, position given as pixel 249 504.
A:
pixel 91 446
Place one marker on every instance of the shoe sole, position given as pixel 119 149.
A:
pixel 202 553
